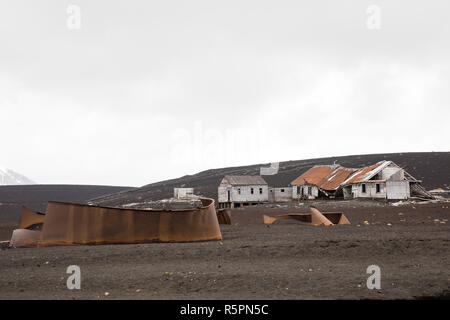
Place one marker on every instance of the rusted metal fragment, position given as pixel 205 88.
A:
pixel 305 218
pixel 315 218
pixel 78 224
pixel 318 219
pixel 224 216
pixel 24 238
pixel 29 218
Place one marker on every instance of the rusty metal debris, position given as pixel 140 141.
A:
pixel 325 177
pixel 315 218
pixel 79 224
pixel 29 218
pixel 224 216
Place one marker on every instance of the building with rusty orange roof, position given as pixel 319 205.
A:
pixel 383 180
pixel 320 181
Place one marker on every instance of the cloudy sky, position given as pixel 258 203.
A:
pixel 133 92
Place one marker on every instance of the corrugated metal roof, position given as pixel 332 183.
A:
pixel 331 177
pixel 245 180
pixel 325 177
pixel 366 173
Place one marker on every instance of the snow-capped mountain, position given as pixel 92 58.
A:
pixel 9 177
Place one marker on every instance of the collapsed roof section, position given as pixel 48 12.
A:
pixel 315 218
pixel 366 173
pixel 325 177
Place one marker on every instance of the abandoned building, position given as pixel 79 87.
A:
pixel 383 180
pixel 280 194
pixel 279 191
pixel 237 191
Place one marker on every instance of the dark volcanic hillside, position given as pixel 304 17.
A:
pixel 35 197
pixel 433 168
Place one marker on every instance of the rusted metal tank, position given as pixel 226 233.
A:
pixel 79 224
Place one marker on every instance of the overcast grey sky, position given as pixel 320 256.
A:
pixel 142 91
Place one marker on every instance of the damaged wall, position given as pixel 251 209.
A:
pixel 370 190
pixel 305 192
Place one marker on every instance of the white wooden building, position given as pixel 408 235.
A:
pixel 278 189
pixel 383 180
pixel 237 191
pixel 280 194
pixel 378 189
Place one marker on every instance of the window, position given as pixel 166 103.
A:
pixel 363 188
pixel 239 190
pixel 251 190
pixel 378 188
pixel 282 190
pixel 309 190
pixel 260 190
pixel 298 190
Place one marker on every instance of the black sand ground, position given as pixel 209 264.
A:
pixel 284 261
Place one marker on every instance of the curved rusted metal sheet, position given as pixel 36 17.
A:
pixel 29 218
pixel 78 224
pixel 224 216
pixel 315 218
